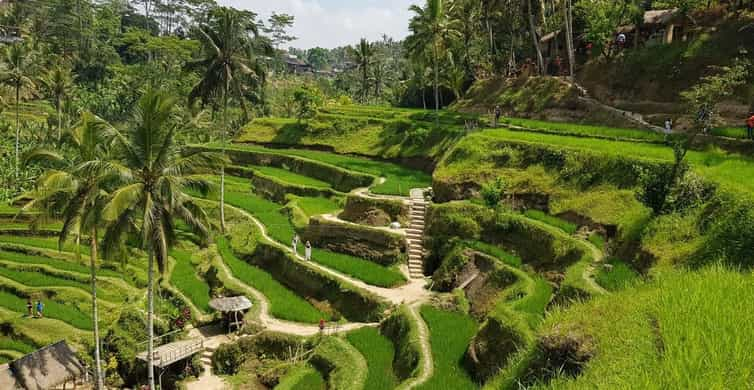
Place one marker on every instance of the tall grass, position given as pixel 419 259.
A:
pixel 63 312
pixel 185 279
pixel 303 377
pixel 284 303
pixel 63 265
pixel 450 335
pixel 585 130
pixel 496 252
pixel 42 242
pixel 364 270
pixel 38 278
pixel 10 344
pixel 564 225
pixel 317 206
pixel 399 180
pixel 379 354
pixel 291 177
pixel 619 277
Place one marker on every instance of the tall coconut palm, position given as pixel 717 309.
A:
pixel 73 190
pixel 229 67
pixel 150 195
pixel 363 53
pixel 17 74
pixel 58 83
pixel 431 28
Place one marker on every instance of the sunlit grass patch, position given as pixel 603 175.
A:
pixel 379 353
pixel 186 280
pixel 617 276
pixel 564 225
pixel 450 335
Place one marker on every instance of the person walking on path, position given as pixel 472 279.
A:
pixel 498 113
pixel 40 309
pixel 750 126
pixel 294 244
pixel 30 307
pixel 668 126
pixel 321 325
pixel 308 251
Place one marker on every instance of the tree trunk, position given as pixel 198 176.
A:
pixel 569 37
pixel 99 380
pixel 222 167
pixel 535 39
pixel 60 120
pixel 437 86
pixel 150 319
pixel 18 132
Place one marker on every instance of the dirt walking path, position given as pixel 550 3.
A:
pixel 409 293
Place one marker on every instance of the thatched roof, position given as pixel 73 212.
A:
pixel 659 16
pixel 43 369
pixel 7 379
pixel 230 304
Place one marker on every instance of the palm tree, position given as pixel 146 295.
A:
pixel 73 191
pixel 229 67
pixel 363 54
pixel 431 27
pixel 150 193
pixel 17 75
pixel 58 83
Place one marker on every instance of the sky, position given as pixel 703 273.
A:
pixel 333 23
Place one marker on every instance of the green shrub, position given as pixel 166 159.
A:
pixel 402 331
pixel 227 359
pixel 340 363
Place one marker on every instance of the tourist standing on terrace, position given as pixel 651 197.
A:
pixel 308 251
pixel 750 126
pixel 294 244
pixel 668 126
pixel 498 113
pixel 30 307
pixel 40 309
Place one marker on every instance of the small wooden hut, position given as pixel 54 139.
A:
pixel 46 368
pixel 233 309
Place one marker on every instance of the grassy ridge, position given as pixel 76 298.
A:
pixel 399 180
pixel 284 303
pixel 379 353
pixel 364 270
pixel 11 344
pixel 585 130
pixel 450 334
pixel 561 224
pixel 43 242
pixel 35 278
pixel 302 378
pixel 64 265
pixel 291 177
pixel 185 279
pixel 56 310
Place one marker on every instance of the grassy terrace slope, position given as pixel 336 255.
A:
pixel 399 180
pixel 372 131
pixel 279 227
pixel 450 334
pixel 730 171
pixel 653 336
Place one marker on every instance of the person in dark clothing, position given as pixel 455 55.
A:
pixel 750 126
pixel 498 113
pixel 30 307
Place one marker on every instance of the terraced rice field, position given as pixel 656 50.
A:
pixel 379 354
pixel 450 335
pixel 186 280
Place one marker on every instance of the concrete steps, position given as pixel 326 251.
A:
pixel 415 234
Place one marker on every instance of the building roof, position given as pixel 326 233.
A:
pixel 293 60
pixel 230 304
pixel 659 16
pixel 43 369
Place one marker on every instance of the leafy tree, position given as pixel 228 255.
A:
pixel 431 28
pixel 150 194
pixel 229 68
pixel 74 190
pixel 493 192
pixel 278 25
pixel 602 18
pixel 711 90
pixel 19 75
pixel 307 100
pixel 317 57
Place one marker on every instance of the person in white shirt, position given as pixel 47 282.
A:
pixel 308 251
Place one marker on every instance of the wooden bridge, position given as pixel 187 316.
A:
pixel 168 354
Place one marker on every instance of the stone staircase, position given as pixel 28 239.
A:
pixel 415 234
pixel 206 360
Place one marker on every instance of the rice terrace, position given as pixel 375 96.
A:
pixel 360 195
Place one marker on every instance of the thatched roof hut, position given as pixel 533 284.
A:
pixel 230 304
pixel 43 369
